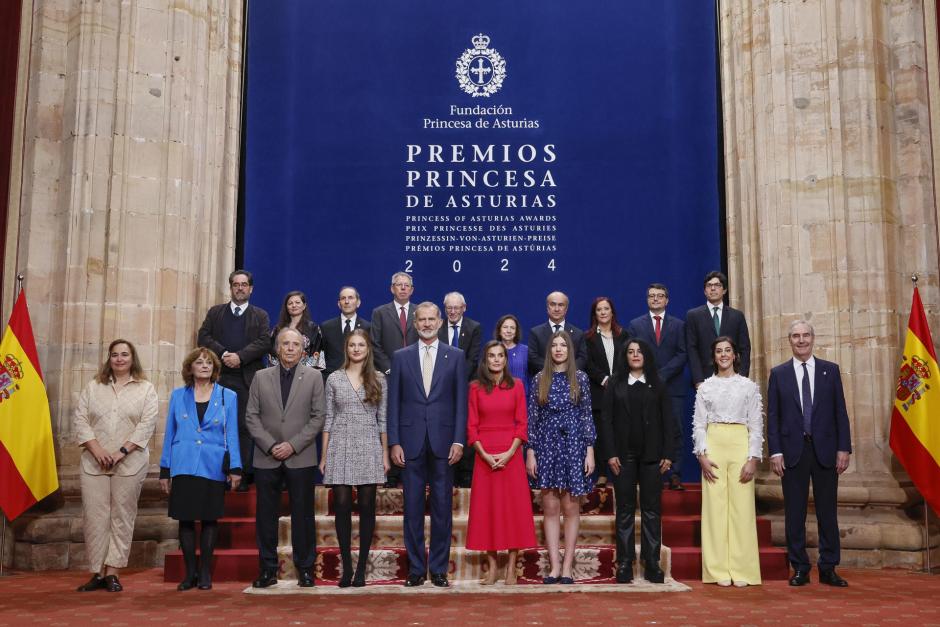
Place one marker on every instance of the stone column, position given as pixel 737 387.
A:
pixel 126 219
pixel 830 201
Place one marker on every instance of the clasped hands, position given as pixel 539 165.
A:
pixel 397 454
pixel 281 451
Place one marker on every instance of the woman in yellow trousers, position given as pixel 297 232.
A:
pixel 727 430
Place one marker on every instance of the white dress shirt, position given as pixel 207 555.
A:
pixel 798 370
pixel 450 330
pixel 711 311
pixel 241 308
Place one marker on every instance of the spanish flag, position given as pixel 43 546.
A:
pixel 27 459
pixel 915 421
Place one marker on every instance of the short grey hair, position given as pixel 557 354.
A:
pixel 463 301
pixel 795 323
pixel 428 305
pixel 289 330
pixel 402 274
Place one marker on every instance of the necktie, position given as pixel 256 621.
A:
pixel 456 336
pixel 427 370
pixel 403 323
pixel 807 403
pixel 557 327
pixel 716 321
pixel 347 329
pixel 238 311
pixel 659 328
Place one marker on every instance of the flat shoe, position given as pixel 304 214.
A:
pixel 740 584
pixel 724 583
pixel 567 581
pixel 549 580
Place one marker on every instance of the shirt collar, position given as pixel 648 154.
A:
pixel 288 372
pixel 551 325
pixel 720 306
pixel 398 306
pixel 242 308
pixel 352 319
pixel 459 323
pixel 433 344
pixel 631 379
pixel 810 363
pixel 662 316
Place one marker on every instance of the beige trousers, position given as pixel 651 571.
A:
pixel 109 503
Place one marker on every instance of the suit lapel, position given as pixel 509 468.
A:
pixel 794 385
pixel 298 377
pixel 442 355
pixel 414 362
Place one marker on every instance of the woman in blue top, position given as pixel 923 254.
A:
pixel 509 333
pixel 561 449
pixel 201 428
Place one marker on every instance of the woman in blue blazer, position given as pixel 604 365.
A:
pixel 200 447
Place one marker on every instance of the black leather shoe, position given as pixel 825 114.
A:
pixel 95 583
pixel 440 580
pixel 205 582
pixel 675 483
pixel 346 580
pixel 187 584
pixel 654 574
pixel 359 581
pixel 625 573
pixel 266 579
pixel 415 581
pixel 305 579
pixel 830 578
pixel 799 578
pixel 111 584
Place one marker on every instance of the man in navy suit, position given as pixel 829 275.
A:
pixel 666 335
pixel 427 428
pixel 335 330
pixel 808 437
pixel 703 324
pixel 556 304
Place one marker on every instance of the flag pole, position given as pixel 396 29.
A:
pixel 929 569
pixel 3 532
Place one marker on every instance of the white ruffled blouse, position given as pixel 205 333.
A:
pixel 732 400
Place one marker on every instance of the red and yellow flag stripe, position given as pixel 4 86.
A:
pixel 27 457
pixel 915 420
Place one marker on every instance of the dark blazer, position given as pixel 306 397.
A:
pixel 785 416
pixel 670 353
pixel 469 342
pixel 386 333
pixel 700 333
pixel 596 365
pixel 441 417
pixel 659 425
pixel 538 345
pixel 256 330
pixel 333 342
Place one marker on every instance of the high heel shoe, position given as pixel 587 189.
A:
pixel 188 584
pixel 346 580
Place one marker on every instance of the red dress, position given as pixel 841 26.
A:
pixel 500 501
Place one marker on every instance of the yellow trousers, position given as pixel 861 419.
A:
pixel 729 520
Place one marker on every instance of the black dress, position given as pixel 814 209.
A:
pixel 197 498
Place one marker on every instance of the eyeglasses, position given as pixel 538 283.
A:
pixel 240 284
pixel 454 309
pixel 656 296
pixel 715 284
pixel 401 286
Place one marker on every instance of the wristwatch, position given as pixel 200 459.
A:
pixel 124 450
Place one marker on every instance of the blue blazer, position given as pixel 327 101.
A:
pixel 670 354
pixel 193 449
pixel 439 418
pixel 785 416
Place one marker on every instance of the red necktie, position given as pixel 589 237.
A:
pixel 659 328
pixel 403 322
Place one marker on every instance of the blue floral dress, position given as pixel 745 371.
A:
pixel 559 433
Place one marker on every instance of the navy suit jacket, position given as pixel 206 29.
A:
pixel 469 342
pixel 700 333
pixel 441 417
pixel 670 353
pixel 785 415
pixel 538 346
pixel 333 342
pixel 386 333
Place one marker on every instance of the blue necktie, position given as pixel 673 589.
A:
pixel 238 311
pixel 453 340
pixel 716 321
pixel 807 403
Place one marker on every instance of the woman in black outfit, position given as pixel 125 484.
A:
pixel 639 439
pixel 296 315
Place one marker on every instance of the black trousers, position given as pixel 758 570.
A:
pixel 634 471
pixel 825 498
pixel 246 446
pixel 300 487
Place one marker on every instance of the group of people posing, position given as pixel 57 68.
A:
pixel 399 398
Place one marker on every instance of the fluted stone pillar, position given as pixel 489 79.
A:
pixel 126 220
pixel 830 201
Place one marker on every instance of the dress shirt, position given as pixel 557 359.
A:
pixel 352 322
pixel 711 310
pixel 551 325
pixel 398 307
pixel 241 308
pixel 811 369
pixel 450 330
pixel 662 316
pixel 432 354
pixel 730 400
pixel 608 342
pixel 631 379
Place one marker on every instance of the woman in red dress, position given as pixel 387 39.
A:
pixel 500 501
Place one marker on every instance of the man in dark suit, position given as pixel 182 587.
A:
pixel 393 324
pixel 427 429
pixel 285 413
pixel 666 335
pixel 463 333
pixel 703 324
pixel 239 333
pixel 557 305
pixel 335 330
pixel 808 438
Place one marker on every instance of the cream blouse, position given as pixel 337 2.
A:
pixel 731 400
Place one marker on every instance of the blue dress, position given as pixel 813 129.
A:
pixel 559 433
pixel 519 365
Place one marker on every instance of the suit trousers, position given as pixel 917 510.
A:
pixel 109 505
pixel 634 470
pixel 729 517
pixel 426 469
pixel 678 410
pixel 246 446
pixel 825 499
pixel 303 536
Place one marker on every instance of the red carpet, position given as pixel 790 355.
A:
pixel 873 598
